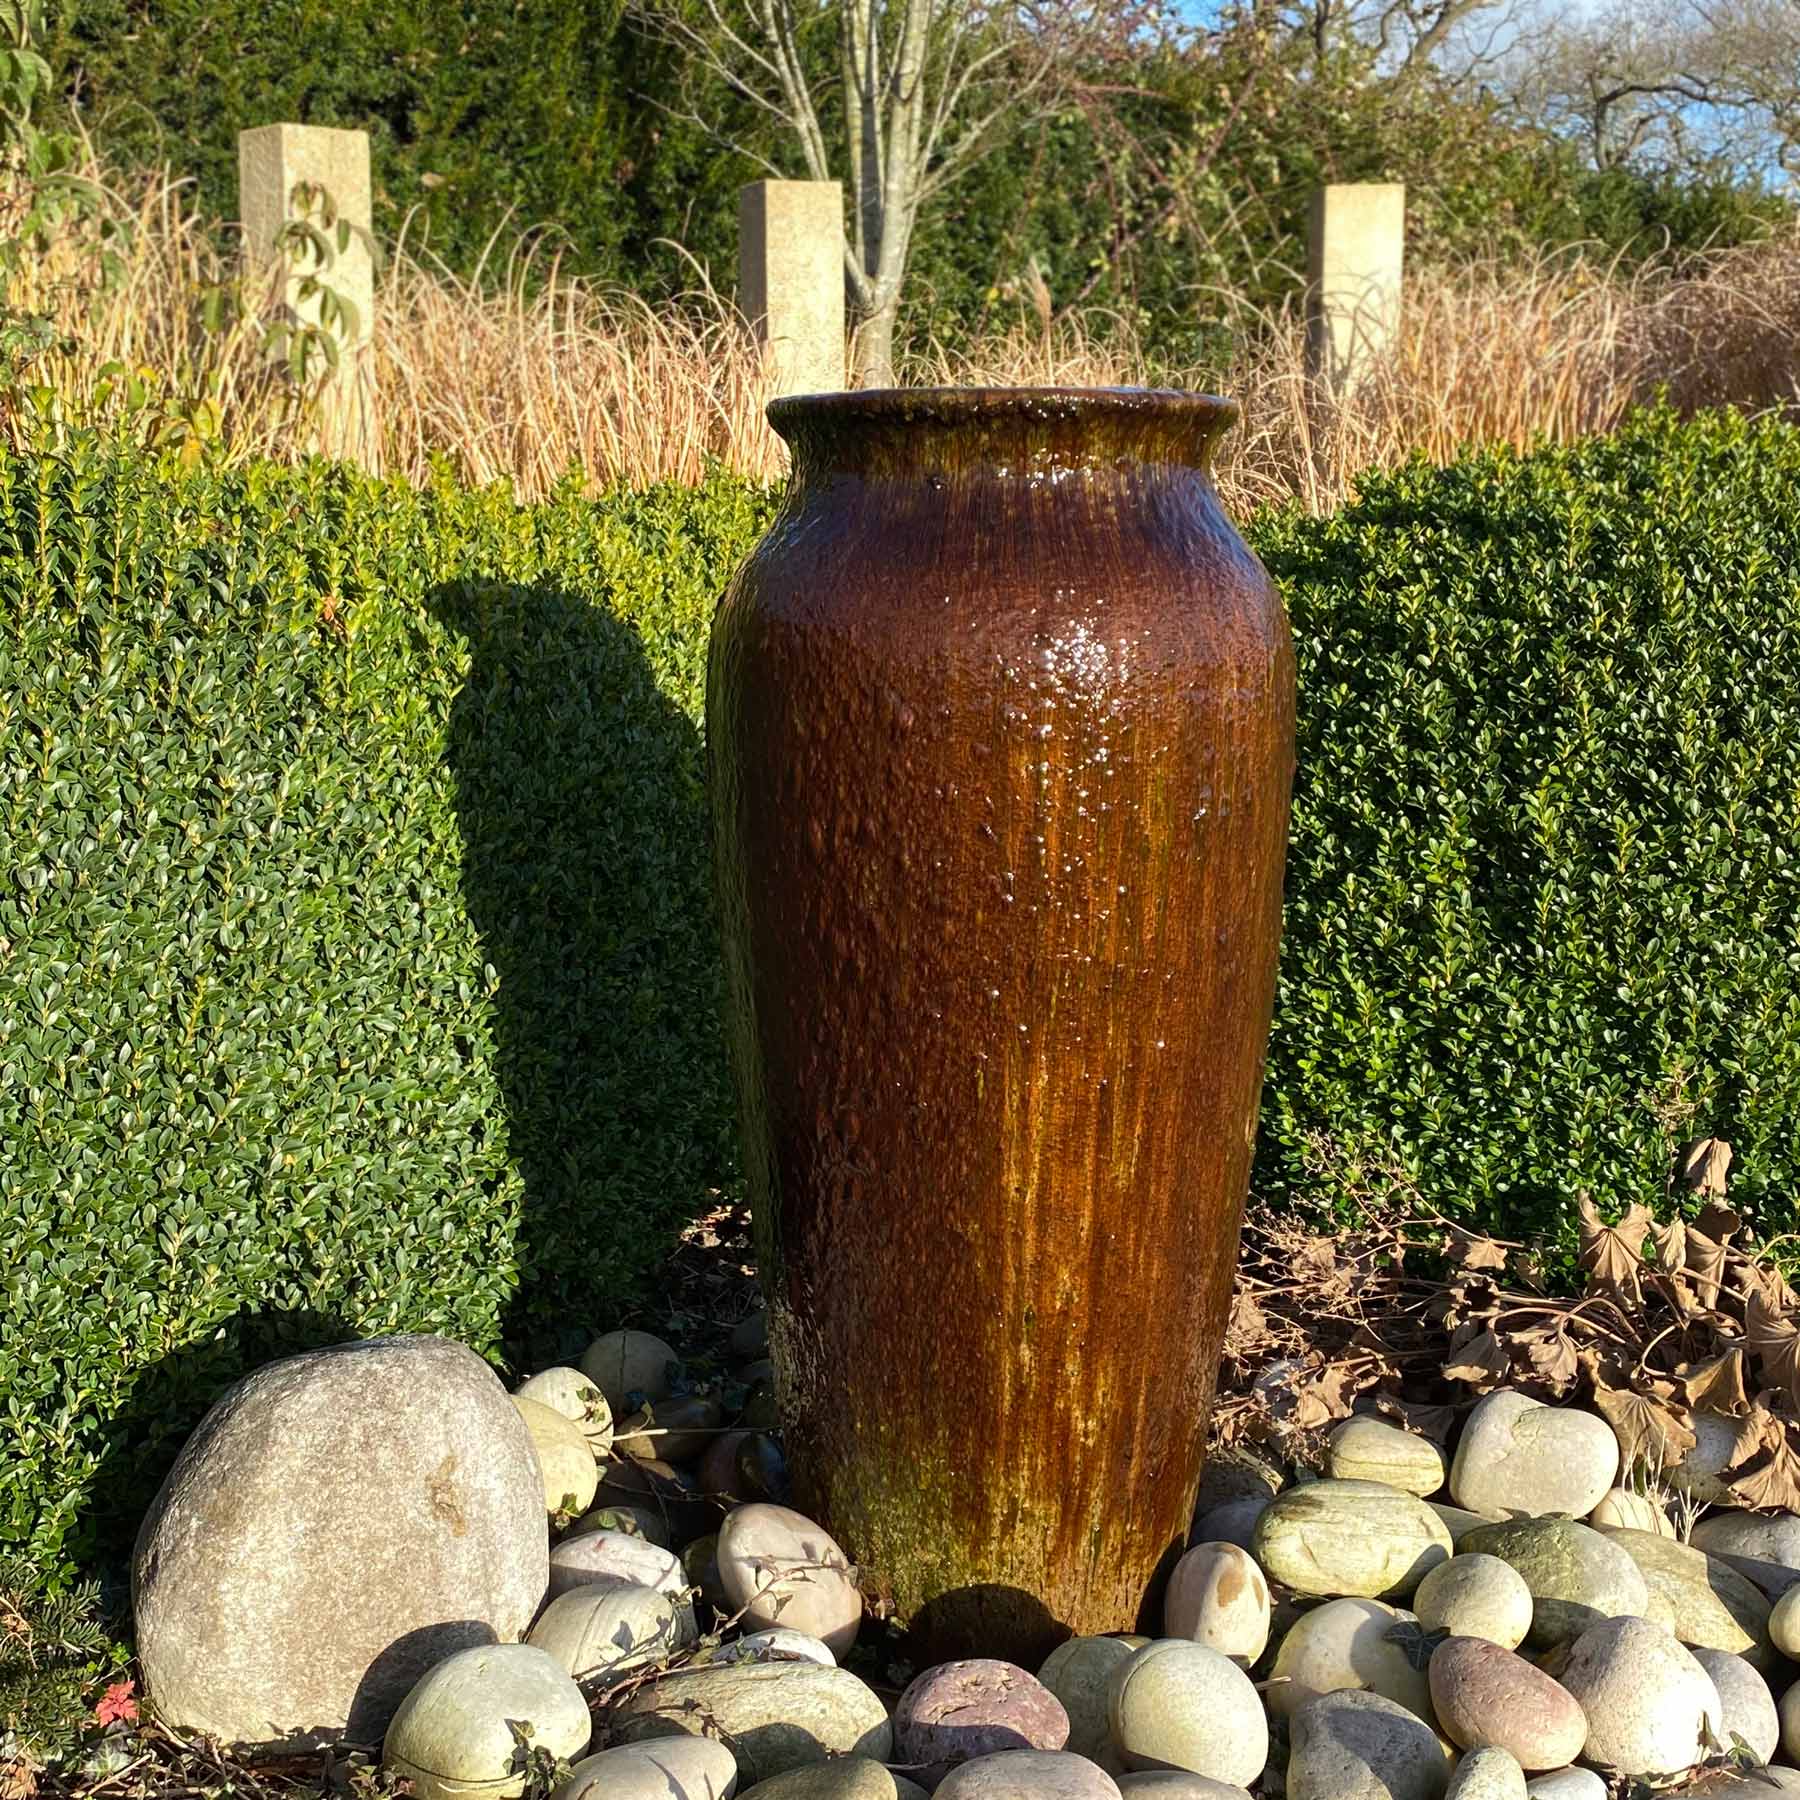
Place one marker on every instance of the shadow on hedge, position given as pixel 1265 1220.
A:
pixel 586 869
pixel 579 792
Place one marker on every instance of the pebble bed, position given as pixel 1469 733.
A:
pixel 1514 1619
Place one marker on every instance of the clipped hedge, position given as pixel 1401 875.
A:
pixel 355 969
pixel 1545 856
pixel 357 965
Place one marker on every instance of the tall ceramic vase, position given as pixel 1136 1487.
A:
pixel 1000 715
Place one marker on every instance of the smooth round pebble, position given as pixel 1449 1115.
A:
pixel 1459 1520
pixel 1519 1458
pixel 565 1459
pixel 673 1768
pixel 1707 1601
pixel 453 1734
pixel 1178 1705
pixel 762 1470
pixel 575 1396
pixel 634 1521
pixel 602 1630
pixel 614 1556
pixel 1650 1707
pixel 1366 1449
pixel 1237 1473
pixel 1232 1521
pixel 1177 1784
pixel 1567 1784
pixel 700 1569
pixel 1476 1596
pixel 762 1407
pixel 775 1715
pixel 1487 1775
pixel 718 1470
pixel 977 1706
pixel 767 1646
pixel 1079 1672
pixel 673 1431
pixel 843 1778
pixel 1700 1474
pixel 1359 1746
pixel 1636 1512
pixel 779 1568
pixel 630 1367
pixel 1577 1575
pixel 1748 1704
pixel 1217 1596
pixel 1028 1775
pixel 1349 1537
pixel 750 1335
pixel 1346 1644
pixel 1485 1697
pixel 1761 1537
pixel 1784 1623
pixel 1788 1708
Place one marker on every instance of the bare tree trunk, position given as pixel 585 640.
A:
pixel 875 345
pixel 927 87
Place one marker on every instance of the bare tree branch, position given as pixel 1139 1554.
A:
pixel 925 90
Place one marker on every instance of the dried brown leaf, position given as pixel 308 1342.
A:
pixel 1528 1271
pixel 1247 1330
pixel 1651 1429
pixel 1717 1385
pixel 1316 1264
pixel 1323 1396
pixel 1766 1468
pixel 1464 1250
pixel 1479 1359
pixel 1612 1254
pixel 1473 1297
pixel 1751 1277
pixel 1775 1485
pixel 1774 1342
pixel 1706 1265
pixel 1754 1435
pixel 1434 1422
pixel 1719 1221
pixel 1671 1264
pixel 1702 1165
pixel 1551 1356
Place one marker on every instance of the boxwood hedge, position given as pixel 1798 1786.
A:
pixel 357 967
pixel 1545 858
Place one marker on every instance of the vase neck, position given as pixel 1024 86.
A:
pixel 1025 433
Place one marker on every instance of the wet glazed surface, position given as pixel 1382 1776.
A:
pixel 1001 724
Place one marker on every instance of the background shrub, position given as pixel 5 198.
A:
pixel 357 964
pixel 1543 857
pixel 356 971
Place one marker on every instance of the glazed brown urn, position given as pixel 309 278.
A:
pixel 1000 719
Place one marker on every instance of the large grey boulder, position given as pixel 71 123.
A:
pixel 339 1522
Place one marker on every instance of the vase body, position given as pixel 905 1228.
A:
pixel 1000 724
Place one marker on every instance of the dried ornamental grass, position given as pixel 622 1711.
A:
pixel 522 371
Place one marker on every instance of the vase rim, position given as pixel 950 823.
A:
pixel 959 405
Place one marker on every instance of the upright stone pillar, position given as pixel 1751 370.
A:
pixel 1356 244
pixel 313 175
pixel 791 281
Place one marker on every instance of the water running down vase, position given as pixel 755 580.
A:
pixel 1000 719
